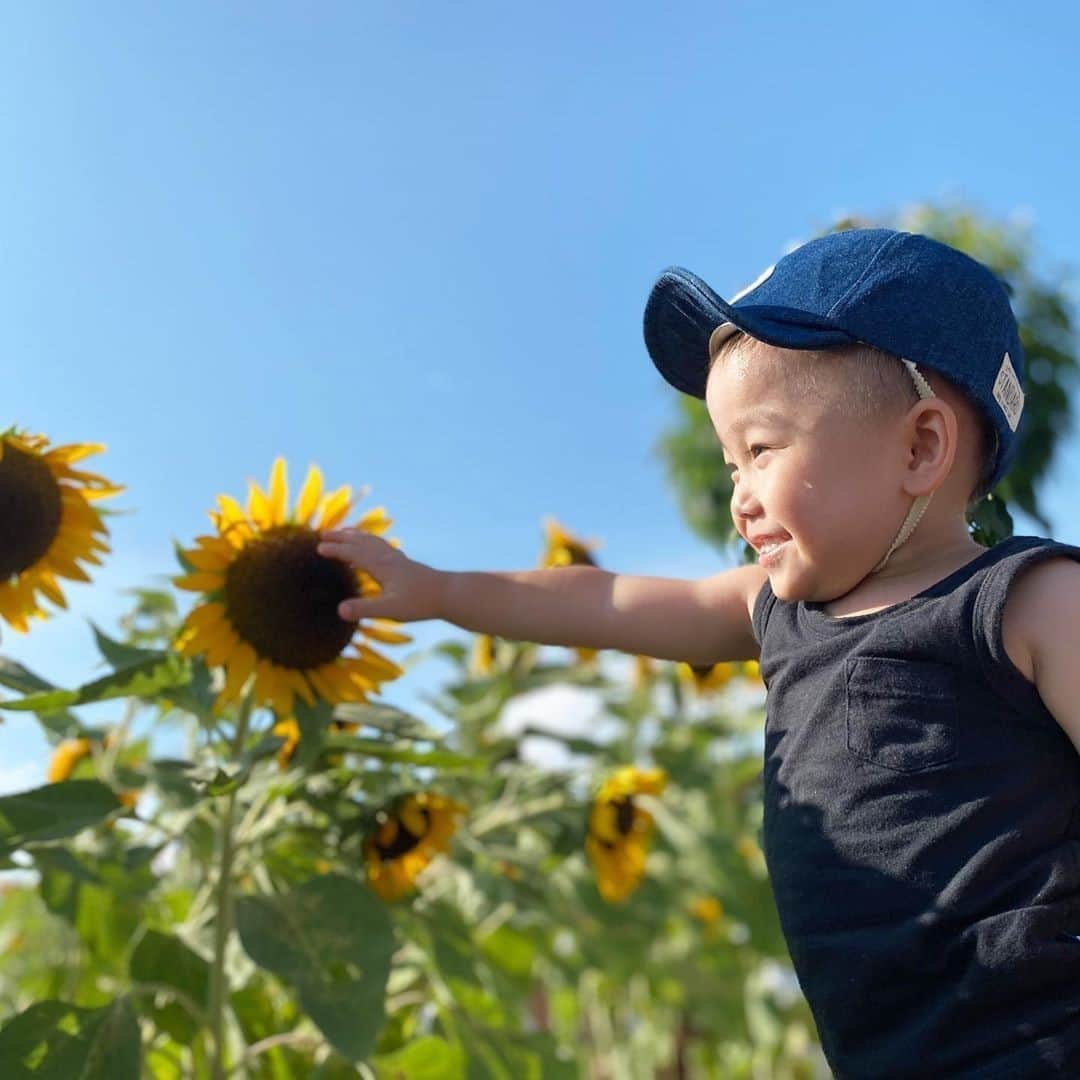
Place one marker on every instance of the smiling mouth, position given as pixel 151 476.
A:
pixel 771 552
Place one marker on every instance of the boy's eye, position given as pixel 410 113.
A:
pixel 754 450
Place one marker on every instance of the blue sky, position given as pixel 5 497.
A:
pixel 412 243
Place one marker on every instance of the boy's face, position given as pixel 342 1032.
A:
pixel 825 484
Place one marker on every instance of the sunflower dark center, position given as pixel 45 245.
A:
pixel 282 596
pixel 624 814
pixel 402 843
pixel 29 510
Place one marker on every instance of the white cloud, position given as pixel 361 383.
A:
pixel 562 710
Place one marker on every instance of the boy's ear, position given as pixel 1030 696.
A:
pixel 931 432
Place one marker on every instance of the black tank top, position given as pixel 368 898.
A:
pixel 922 832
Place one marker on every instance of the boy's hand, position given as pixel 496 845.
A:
pixel 410 590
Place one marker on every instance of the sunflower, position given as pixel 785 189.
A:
pixel 270 600
pixel 563 548
pixel 707 679
pixel 65 757
pixel 644 669
pixel 710 913
pixel 620 830
pixel 751 851
pixel 482 661
pixel 47 523
pixel 405 839
pixel 751 670
pixel 289 730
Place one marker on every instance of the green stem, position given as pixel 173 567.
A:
pixel 223 923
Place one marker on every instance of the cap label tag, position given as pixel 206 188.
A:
pixel 1008 393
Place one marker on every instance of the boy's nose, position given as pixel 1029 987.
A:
pixel 744 503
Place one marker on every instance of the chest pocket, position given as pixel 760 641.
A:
pixel 901 714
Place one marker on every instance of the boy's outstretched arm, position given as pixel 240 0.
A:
pixel 699 622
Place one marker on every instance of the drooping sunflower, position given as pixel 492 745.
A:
pixel 708 679
pixel 406 838
pixel 270 600
pixel 620 830
pixel 714 677
pixel 48 524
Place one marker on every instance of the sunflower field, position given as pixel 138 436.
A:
pixel 327 886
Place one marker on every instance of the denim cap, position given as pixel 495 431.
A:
pixel 901 292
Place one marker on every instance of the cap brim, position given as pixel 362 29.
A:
pixel 682 313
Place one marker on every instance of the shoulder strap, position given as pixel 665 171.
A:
pixel 988 616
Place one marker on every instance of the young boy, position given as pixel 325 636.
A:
pixel 922 794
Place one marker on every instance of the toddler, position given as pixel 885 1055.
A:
pixel 921 775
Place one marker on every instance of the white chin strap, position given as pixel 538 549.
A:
pixel 918 507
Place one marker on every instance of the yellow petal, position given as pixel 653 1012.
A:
pixel 241 665
pixel 336 507
pixel 258 506
pixel 73 452
pixel 379 663
pixel 201 581
pixel 323 684
pixel 310 494
pixel 375 521
pixel 209 558
pixel 279 492
pixel 206 615
pixel 381 632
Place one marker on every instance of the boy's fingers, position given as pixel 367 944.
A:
pixel 353 610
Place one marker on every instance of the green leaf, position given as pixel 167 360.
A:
pixel 451 943
pixel 53 811
pixel 20 678
pixel 510 950
pixel 174 777
pixel 331 939
pixel 222 783
pixel 52 1040
pixel 385 718
pixel 118 654
pixel 313 720
pixel 991 521
pixel 144 678
pixel 162 958
pixel 17 677
pixel 426 1058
